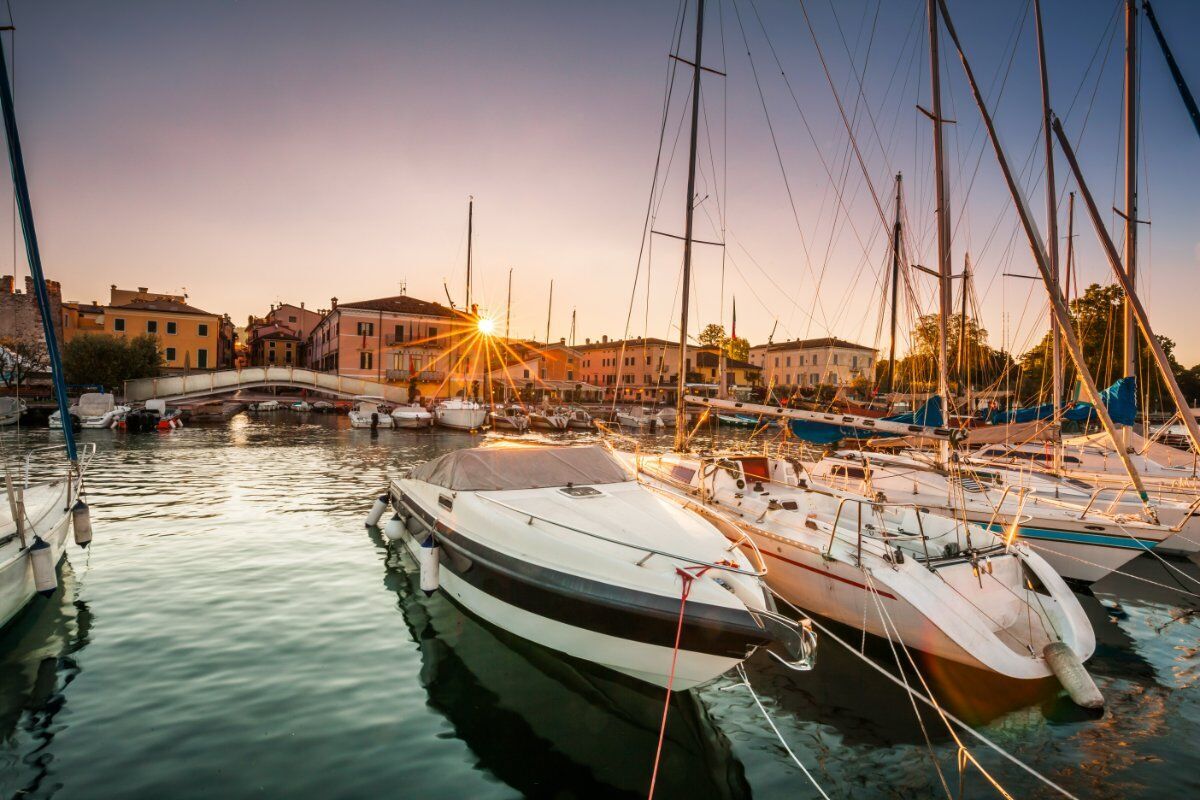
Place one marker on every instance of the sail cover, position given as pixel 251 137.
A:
pixel 1120 399
pixel 492 469
pixel 929 415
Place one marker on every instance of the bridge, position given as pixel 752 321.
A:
pixel 207 384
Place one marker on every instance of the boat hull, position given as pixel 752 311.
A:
pixel 462 419
pixel 16 574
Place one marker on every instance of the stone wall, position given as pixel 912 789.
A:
pixel 19 315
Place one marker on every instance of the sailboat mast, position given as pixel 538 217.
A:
pixel 1051 214
pixel 508 305
pixel 891 384
pixel 1131 211
pixel 470 239
pixel 572 327
pixel 549 309
pixel 33 255
pixel 942 211
pixel 680 405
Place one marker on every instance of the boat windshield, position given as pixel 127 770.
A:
pixel 521 467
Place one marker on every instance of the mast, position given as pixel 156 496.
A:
pixel 508 305
pixel 964 363
pixel 680 406
pixel 572 327
pixel 470 221
pixel 1131 211
pixel 942 212
pixel 549 308
pixel 1185 93
pixel 1057 306
pixel 1051 220
pixel 1070 244
pixel 891 385
pixel 33 254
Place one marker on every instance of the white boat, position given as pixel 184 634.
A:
pixel 511 418
pixel 548 419
pixel 460 414
pixel 639 419
pixel 579 420
pixel 98 410
pixel 265 406
pixel 958 591
pixel 367 412
pixel 413 415
pixel 322 407
pixel 561 546
pixel 46 500
pixel 1080 546
pixel 11 409
pixel 301 406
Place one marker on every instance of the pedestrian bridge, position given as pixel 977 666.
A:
pixel 207 384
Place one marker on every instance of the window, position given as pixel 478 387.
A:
pixel 834 359
pixel 399 337
pixel 151 326
pixel 170 354
pixel 366 329
pixel 647 361
pixel 202 329
pixel 788 361
pixel 365 358
pixel 526 373
pixel 118 324
pixel 787 379
pixel 287 358
pixel 815 378
pixel 432 332
pixel 271 356
pixel 853 361
pixel 171 327
pixel 202 358
pixel 291 319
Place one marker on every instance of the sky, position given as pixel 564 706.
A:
pixel 255 152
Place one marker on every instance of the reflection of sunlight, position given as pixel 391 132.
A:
pixel 238 425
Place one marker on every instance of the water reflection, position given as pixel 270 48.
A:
pixel 549 726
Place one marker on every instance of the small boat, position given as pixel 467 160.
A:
pixel 511 418
pixel 460 414
pixel 579 420
pixel 548 419
pixel 11 409
pixel 264 407
pixel 301 406
pixel 413 415
pixel 640 419
pixel 214 411
pixel 169 418
pixel 960 592
pixel 563 547
pixel 55 419
pixel 323 407
pixel 368 412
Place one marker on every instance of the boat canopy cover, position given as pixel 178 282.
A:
pixel 94 404
pixel 491 469
pixel 1120 399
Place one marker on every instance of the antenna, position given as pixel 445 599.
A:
pixel 403 286
pixel 449 299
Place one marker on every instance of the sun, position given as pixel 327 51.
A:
pixel 486 326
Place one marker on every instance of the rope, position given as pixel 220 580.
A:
pixel 688 578
pixel 741 671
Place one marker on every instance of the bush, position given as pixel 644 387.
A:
pixel 98 358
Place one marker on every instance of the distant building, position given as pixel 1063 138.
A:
pixel 533 371
pixel 647 369
pixel 20 318
pixel 80 318
pixel 189 337
pixel 274 344
pixel 813 362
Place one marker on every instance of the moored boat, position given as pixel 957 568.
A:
pixel 413 416
pixel 460 414
pixel 368 412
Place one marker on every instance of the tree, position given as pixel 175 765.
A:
pixel 735 347
pixel 713 335
pixel 21 359
pixel 977 363
pixel 109 361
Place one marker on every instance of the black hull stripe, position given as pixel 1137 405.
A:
pixel 593 605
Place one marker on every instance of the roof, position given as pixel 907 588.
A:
pixel 815 344
pixel 402 304
pixel 169 306
pixel 90 308
pixel 649 341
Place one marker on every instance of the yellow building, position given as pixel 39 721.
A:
pixel 187 336
pixel 82 318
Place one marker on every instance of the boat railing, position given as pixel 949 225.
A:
pixel 649 551
pixel 44 464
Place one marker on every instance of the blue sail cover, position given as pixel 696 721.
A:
pixel 929 415
pixel 1120 399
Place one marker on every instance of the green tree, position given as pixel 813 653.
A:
pixel 713 335
pixel 735 347
pixel 975 362
pixel 97 358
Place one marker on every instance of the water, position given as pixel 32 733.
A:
pixel 235 631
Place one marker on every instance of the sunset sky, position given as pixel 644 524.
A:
pixel 253 152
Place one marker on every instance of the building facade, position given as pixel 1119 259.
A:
pixel 814 362
pixel 80 318
pixel 188 337
pixel 647 369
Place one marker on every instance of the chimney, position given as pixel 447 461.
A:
pixel 587 341
pixel 144 289
pixel 332 303
pixel 301 305
pixel 604 338
pixel 562 340
pixel 6 284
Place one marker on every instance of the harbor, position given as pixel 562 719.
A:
pixel 929 526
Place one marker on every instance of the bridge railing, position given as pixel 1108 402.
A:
pixel 201 384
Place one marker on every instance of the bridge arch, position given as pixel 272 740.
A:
pixel 208 384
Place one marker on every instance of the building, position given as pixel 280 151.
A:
pixel 647 369
pixel 20 318
pixel 79 318
pixel 227 339
pixel 532 371
pixel 399 339
pixel 812 362
pixel 188 337
pixel 274 344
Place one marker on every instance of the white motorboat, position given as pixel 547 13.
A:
pixel 413 415
pixel 367 412
pixel 510 418
pixel 323 407
pixel 301 406
pixel 264 407
pixel 547 419
pixel 45 500
pixel 1081 546
pixel 953 589
pixel 460 414
pixel 579 420
pixel 561 546
pixel 639 419
pixel 11 409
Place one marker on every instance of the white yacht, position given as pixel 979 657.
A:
pixel 413 415
pixel 367 412
pixel 561 546
pixel 11 409
pixel 949 588
pixel 579 420
pixel 460 414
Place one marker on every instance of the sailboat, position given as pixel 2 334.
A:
pixel 43 492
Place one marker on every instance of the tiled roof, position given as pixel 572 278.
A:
pixel 170 306
pixel 403 304
pixel 816 344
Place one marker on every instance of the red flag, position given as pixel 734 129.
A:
pixel 733 333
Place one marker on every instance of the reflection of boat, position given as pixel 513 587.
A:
pixel 11 409
pixel 566 724
pixel 562 546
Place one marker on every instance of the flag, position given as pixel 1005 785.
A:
pixel 733 333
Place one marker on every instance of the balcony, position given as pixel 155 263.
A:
pixel 424 376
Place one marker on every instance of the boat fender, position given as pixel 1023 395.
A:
pixel 41 557
pixel 394 528
pixel 81 521
pixel 427 557
pixel 377 509
pixel 1072 675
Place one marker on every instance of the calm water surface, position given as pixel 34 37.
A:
pixel 235 631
